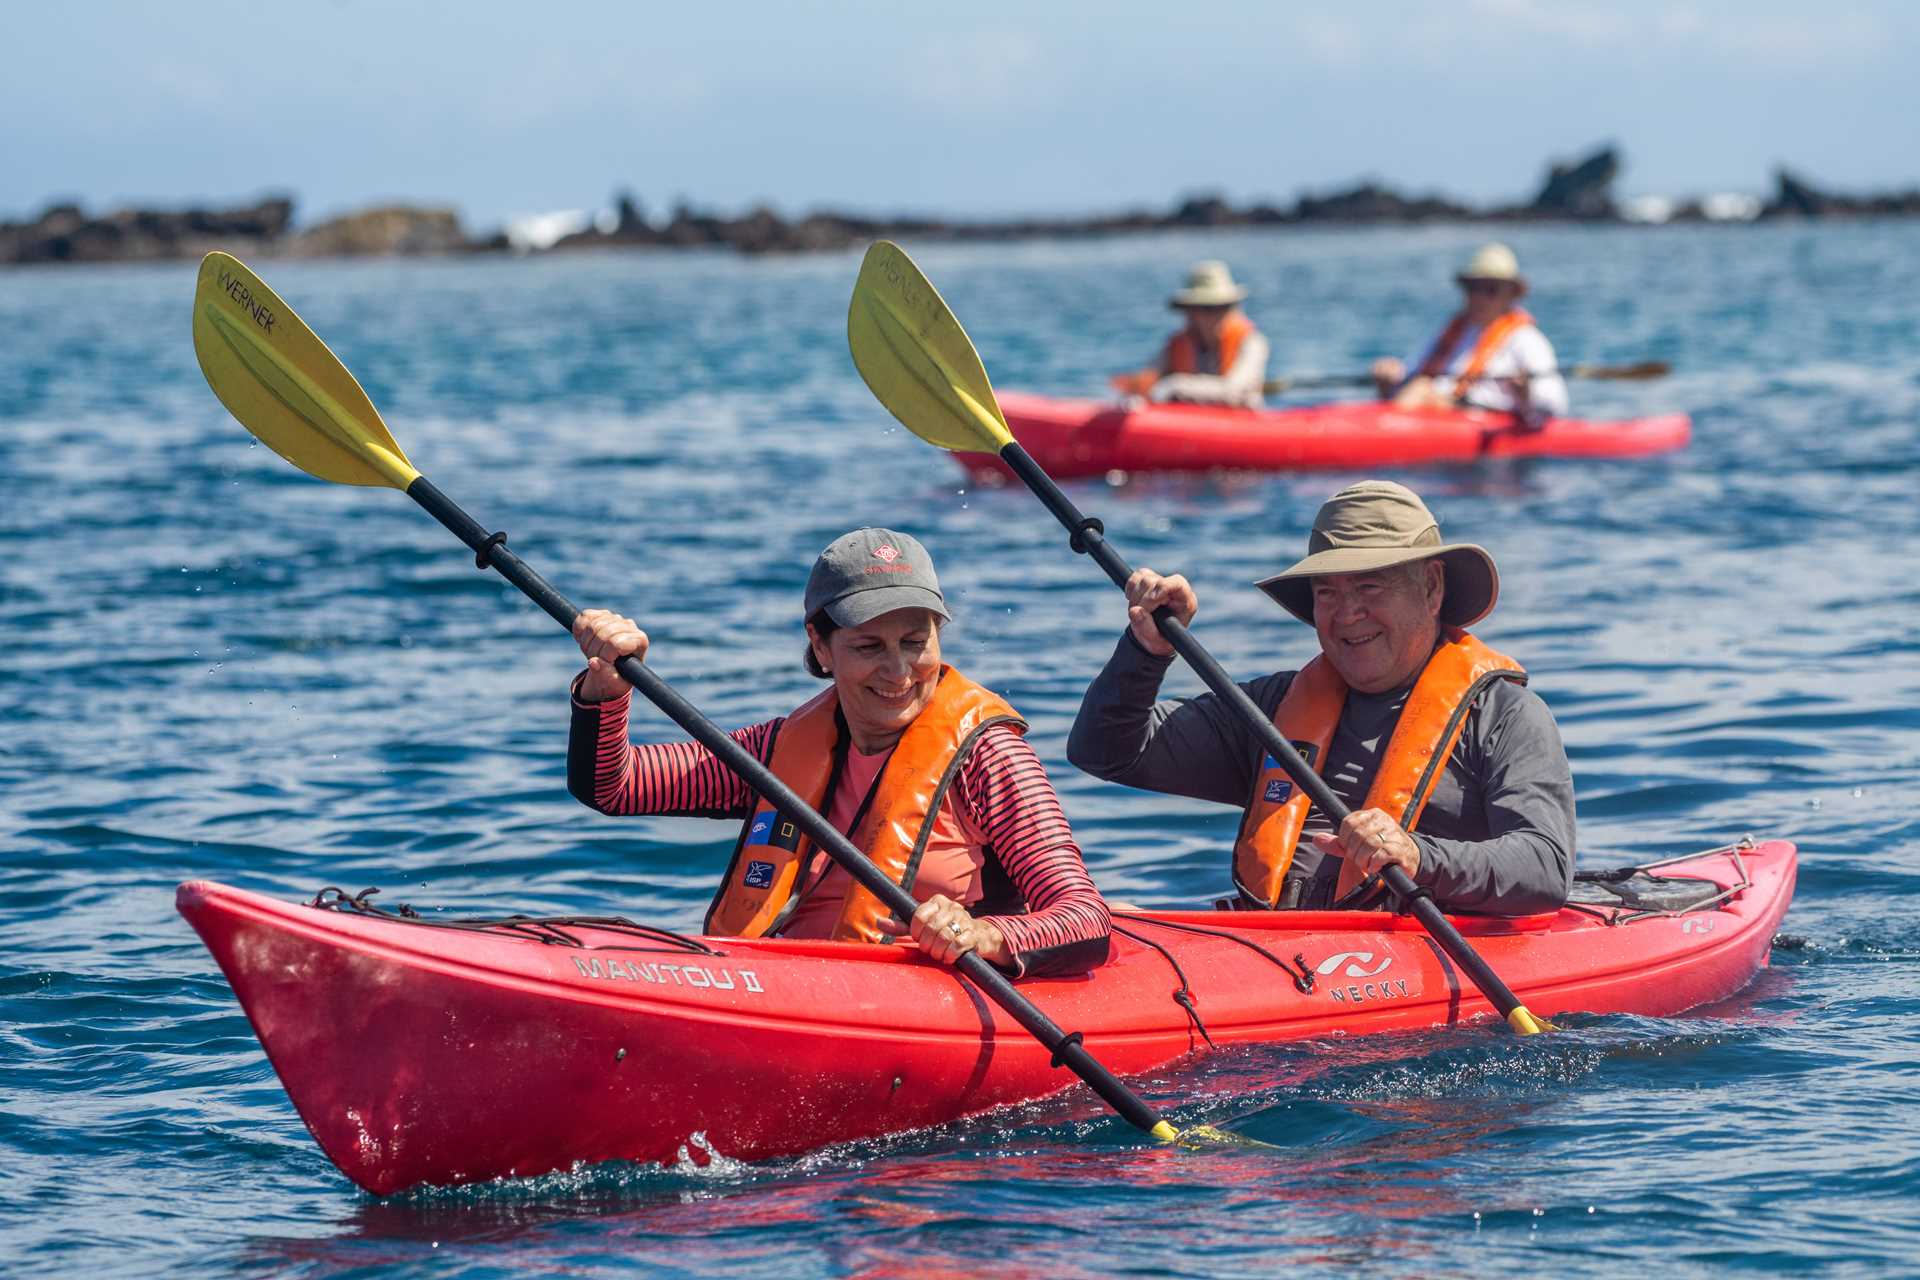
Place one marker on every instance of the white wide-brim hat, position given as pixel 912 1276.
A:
pixel 1493 262
pixel 1209 284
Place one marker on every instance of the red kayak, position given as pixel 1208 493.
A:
pixel 1076 438
pixel 424 1051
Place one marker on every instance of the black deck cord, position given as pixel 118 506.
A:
pixel 1298 972
pixel 1183 996
pixel 547 930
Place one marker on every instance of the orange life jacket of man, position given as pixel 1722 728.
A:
pixel 1430 725
pixel 1492 338
pixel 763 884
pixel 1182 355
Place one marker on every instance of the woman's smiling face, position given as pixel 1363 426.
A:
pixel 885 672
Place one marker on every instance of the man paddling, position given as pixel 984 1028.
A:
pixel 1217 357
pixel 1491 355
pixel 1398 682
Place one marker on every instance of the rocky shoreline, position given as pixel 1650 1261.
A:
pixel 1578 192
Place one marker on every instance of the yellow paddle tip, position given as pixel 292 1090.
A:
pixel 1526 1024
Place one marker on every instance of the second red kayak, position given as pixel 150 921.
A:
pixel 1079 438
pixel 430 1051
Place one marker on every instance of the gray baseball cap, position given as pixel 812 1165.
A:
pixel 868 572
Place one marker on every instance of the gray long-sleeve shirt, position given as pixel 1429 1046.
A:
pixel 1496 836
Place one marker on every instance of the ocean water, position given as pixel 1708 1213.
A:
pixel 217 667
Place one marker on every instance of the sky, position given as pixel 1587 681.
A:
pixel 990 108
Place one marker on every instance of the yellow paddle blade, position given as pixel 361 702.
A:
pixel 917 359
pixel 284 385
pixel 1202 1136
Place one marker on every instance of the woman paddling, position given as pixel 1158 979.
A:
pixel 898 737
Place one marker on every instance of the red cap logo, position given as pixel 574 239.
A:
pixel 885 552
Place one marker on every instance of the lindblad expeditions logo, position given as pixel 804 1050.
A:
pixel 889 557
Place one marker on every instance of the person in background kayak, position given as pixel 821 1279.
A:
pixel 1398 683
pixel 1218 357
pixel 928 773
pixel 1491 355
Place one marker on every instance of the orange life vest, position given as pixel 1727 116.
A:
pixel 1429 728
pixel 758 894
pixel 1492 338
pixel 1182 354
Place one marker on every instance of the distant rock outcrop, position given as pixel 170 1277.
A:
pixel 1795 197
pixel 1580 191
pixel 1371 202
pixel 63 233
pixel 386 231
pixel 1583 190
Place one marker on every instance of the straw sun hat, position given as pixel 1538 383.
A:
pixel 1493 262
pixel 1377 524
pixel 1209 284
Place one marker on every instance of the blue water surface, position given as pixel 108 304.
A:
pixel 217 667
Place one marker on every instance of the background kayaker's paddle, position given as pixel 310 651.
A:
pixel 290 390
pixel 921 365
pixel 1642 371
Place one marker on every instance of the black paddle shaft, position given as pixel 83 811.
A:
pixel 490 551
pixel 1089 539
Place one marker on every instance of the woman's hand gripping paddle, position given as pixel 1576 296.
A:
pixel 922 367
pixel 286 387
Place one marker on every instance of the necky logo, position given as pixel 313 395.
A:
pixel 1353 960
pixel 886 552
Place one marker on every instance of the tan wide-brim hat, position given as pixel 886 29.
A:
pixel 1493 262
pixel 1377 524
pixel 1209 284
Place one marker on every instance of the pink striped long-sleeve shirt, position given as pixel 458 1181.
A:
pixel 1002 793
